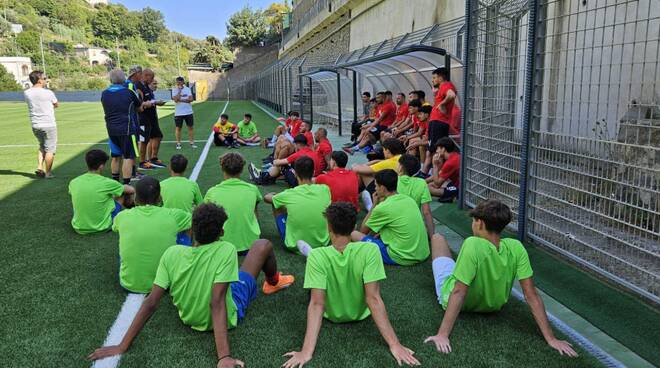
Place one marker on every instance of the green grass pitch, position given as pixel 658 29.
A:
pixel 61 294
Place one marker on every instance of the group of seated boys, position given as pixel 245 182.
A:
pixel 171 238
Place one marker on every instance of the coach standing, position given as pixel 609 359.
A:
pixel 183 111
pixel 41 104
pixel 121 106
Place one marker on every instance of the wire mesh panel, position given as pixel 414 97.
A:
pixel 595 156
pixel 492 147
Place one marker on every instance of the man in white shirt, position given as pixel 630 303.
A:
pixel 41 104
pixel 183 111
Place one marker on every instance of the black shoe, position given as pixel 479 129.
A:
pixel 252 171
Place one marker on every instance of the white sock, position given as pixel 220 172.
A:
pixel 274 139
pixel 366 200
pixel 303 247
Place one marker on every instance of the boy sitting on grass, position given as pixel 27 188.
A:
pixel 481 278
pixel 207 287
pixel 395 224
pixel 96 199
pixel 283 166
pixel 145 232
pixel 239 199
pixel 343 279
pixel 247 132
pixel 180 192
pixel 415 188
pixel 299 211
pixel 224 132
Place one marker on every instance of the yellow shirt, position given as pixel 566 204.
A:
pixel 390 163
pixel 223 129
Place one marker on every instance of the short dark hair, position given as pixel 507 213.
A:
pixel 248 116
pixel 232 163
pixel 224 116
pixel 340 158
pixel 387 178
pixel 415 103
pixel 178 163
pixel 35 76
pixel 180 79
pixel 425 109
pixel 207 222
pixel 300 139
pixel 95 158
pixel 443 72
pixel 309 124
pixel 323 131
pixel 420 94
pixel 394 145
pixel 447 144
pixel 341 217
pixel 147 190
pixel 365 93
pixel 382 93
pixel 294 113
pixel 409 163
pixel 304 167
pixel 388 93
pixel 495 215
pixel 401 94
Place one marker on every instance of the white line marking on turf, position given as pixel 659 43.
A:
pixel 134 301
pixel 264 109
pixel 77 144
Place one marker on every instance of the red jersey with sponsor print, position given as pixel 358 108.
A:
pixel 387 113
pixel 343 185
pixel 295 127
pixel 440 95
pixel 306 151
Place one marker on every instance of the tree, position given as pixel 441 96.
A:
pixel 246 28
pixel 7 81
pixel 115 21
pixel 274 17
pixel 72 15
pixel 152 24
pixel 28 42
pixel 212 52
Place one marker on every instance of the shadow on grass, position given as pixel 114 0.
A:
pixel 18 173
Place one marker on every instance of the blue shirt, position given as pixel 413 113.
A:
pixel 120 107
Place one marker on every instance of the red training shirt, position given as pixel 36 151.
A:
pixel 306 151
pixel 451 168
pixel 440 95
pixel 455 126
pixel 295 127
pixel 310 138
pixel 402 112
pixel 343 185
pixel 387 113
pixel 323 149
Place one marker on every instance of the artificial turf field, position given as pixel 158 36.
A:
pixel 61 294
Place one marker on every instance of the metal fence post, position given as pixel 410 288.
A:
pixel 300 93
pixel 311 102
pixel 355 98
pixel 464 114
pixel 527 115
pixel 339 101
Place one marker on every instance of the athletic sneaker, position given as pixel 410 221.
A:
pixel 253 172
pixel 146 165
pixel 178 146
pixel 157 163
pixel 367 149
pixel 348 150
pixel 252 144
pixel 49 176
pixel 284 282
pixel 138 176
pixel 193 145
pixel 40 173
pixel 236 145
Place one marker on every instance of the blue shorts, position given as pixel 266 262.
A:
pixel 244 292
pixel 383 249
pixel 183 238
pixel 280 222
pixel 115 212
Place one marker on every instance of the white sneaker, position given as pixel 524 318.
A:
pixel 178 146
pixel 303 247
pixel 193 145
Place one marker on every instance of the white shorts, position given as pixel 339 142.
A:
pixel 442 269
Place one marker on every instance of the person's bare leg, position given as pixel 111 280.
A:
pixel 274 171
pixel 439 247
pixel 191 137
pixel 260 258
pixel 143 151
pixel 177 134
pixel 435 191
pixel 40 160
pixel 357 236
pixel 422 153
pixel 155 146
pixel 114 165
pixel 49 157
pixel 127 168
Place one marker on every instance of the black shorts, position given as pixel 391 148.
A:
pixel 375 131
pixel 450 192
pixel 123 146
pixel 437 129
pixel 154 130
pixel 178 120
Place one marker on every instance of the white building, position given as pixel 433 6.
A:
pixel 96 2
pixel 20 67
pixel 93 55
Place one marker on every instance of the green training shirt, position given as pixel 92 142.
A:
pixel 415 188
pixel 247 130
pixel 93 201
pixel 305 205
pixel 145 232
pixel 180 192
pixel 190 272
pixel 488 271
pixel 343 276
pixel 239 199
pixel 399 222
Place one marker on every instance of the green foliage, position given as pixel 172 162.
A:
pixel 114 21
pixel 213 52
pixel 7 81
pixel 274 17
pixel 72 14
pixel 246 28
pixel 152 24
pixel 28 43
